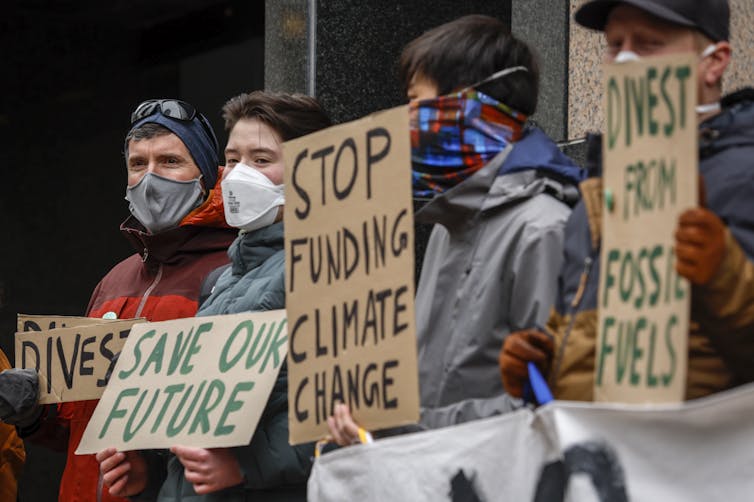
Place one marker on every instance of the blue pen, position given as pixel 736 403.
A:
pixel 537 386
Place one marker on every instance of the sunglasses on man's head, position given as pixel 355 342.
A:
pixel 172 108
pixel 175 109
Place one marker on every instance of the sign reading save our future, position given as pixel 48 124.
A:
pixel 650 177
pixel 350 275
pixel 199 382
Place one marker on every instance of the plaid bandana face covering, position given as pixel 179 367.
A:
pixel 454 136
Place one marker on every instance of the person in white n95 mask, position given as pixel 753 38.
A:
pixel 252 189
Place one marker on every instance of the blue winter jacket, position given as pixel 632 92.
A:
pixel 273 470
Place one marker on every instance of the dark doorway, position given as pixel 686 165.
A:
pixel 72 71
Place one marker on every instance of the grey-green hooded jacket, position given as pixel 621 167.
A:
pixel 491 267
pixel 273 470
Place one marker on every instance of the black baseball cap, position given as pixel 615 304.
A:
pixel 711 17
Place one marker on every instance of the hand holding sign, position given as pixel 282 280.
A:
pixel 209 470
pixel 342 427
pixel 125 473
pixel 699 242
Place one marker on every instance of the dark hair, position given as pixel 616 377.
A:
pixel 291 115
pixel 462 52
pixel 146 131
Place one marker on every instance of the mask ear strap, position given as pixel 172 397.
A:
pixel 708 51
pixel 499 74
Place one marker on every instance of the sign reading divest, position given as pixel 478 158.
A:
pixel 72 362
pixel 200 382
pixel 31 322
pixel 349 275
pixel 650 169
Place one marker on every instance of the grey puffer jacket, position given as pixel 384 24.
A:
pixel 491 267
pixel 273 470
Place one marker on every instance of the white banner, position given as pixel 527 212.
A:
pixel 701 450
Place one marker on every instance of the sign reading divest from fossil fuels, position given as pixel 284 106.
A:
pixel 200 382
pixel 650 177
pixel 349 246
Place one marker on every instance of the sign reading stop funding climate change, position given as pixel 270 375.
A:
pixel 198 382
pixel 650 177
pixel 350 275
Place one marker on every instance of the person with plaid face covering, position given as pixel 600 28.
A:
pixel 499 195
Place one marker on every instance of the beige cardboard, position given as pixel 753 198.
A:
pixel 200 382
pixel 72 362
pixel 29 322
pixel 651 172
pixel 349 242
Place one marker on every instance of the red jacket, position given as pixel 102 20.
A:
pixel 160 283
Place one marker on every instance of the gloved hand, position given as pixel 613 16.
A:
pixel 520 348
pixel 699 245
pixel 19 396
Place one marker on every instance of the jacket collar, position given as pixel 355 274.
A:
pixel 733 127
pixel 251 249
pixel 166 246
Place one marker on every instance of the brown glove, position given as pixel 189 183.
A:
pixel 520 348
pixel 699 245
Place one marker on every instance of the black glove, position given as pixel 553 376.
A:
pixel 19 397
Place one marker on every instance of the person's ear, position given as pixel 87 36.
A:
pixel 714 65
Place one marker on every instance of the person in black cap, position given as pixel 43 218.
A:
pixel 178 228
pixel 714 243
pixel 637 28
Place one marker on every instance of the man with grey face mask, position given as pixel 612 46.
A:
pixel 178 228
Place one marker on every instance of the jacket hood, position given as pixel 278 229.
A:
pixel 733 127
pixel 536 151
pixel 530 166
pixel 251 249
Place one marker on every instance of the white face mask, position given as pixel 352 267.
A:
pixel 626 57
pixel 161 203
pixel 251 200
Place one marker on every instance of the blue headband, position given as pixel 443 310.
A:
pixel 201 147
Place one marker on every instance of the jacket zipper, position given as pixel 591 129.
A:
pixel 100 482
pixel 149 291
pixel 575 303
pixel 100 487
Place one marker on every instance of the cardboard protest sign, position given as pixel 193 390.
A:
pixel 350 275
pixel 650 177
pixel 28 322
pixel 200 382
pixel 72 362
